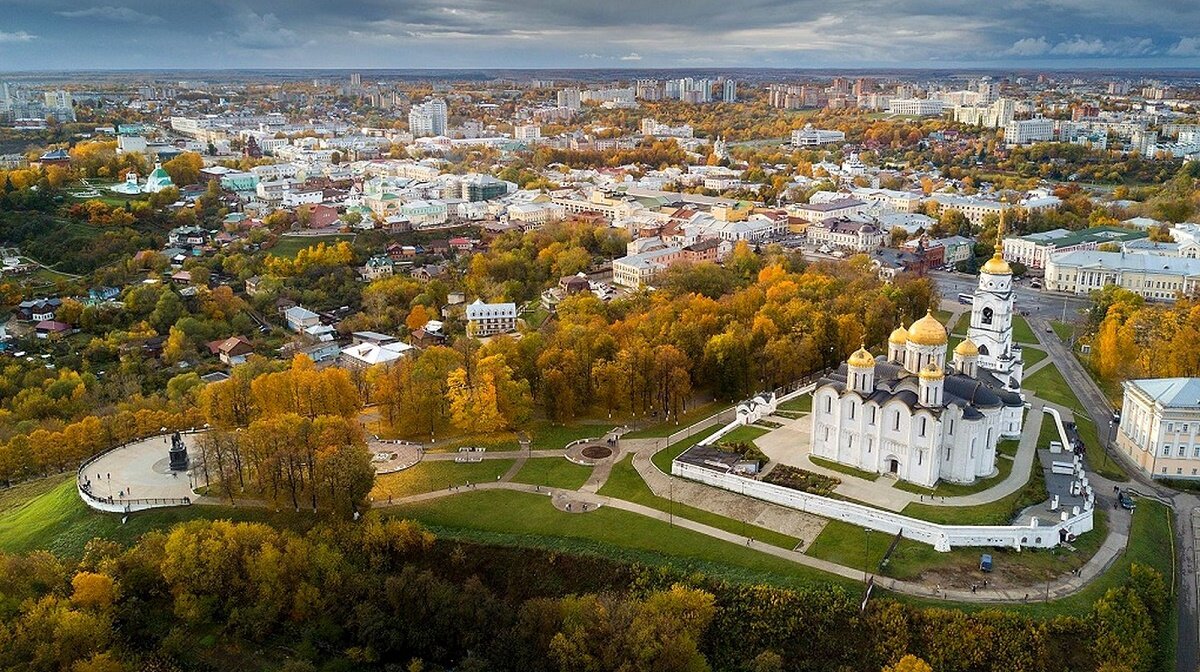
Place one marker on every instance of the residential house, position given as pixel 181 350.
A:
pixel 300 318
pixel 49 329
pixel 231 351
pixel 38 310
pixel 376 267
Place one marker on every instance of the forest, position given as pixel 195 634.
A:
pixel 386 594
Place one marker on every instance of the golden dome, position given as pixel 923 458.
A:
pixel 862 359
pixel 931 371
pixel 927 331
pixel 899 336
pixel 997 266
pixel 967 348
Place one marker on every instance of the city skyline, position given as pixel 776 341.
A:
pixel 67 34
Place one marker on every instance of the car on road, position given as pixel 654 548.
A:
pixel 1049 329
pixel 1126 501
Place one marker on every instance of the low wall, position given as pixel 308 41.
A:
pixel 941 537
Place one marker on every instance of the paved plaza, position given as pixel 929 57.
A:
pixel 139 471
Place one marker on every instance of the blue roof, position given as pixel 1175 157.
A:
pixel 1171 392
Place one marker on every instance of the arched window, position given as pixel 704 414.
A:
pixel 987 315
pixel 983 350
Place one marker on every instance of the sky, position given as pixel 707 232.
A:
pixel 208 34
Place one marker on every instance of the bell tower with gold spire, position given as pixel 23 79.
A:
pixel 992 315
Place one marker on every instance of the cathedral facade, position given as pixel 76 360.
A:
pixel 912 415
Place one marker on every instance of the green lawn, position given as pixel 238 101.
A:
pixel 1049 385
pixel 1064 330
pixel 625 483
pixel 746 433
pixel 663 458
pixel 1031 356
pixel 56 520
pixel 547 436
pixel 554 472
pixel 20 494
pixel 429 476
pixel 802 404
pixel 843 468
pixel 290 246
pixel 688 417
pixel 999 512
pixel 964 323
pixel 522 519
pixel 943 316
pixel 1022 333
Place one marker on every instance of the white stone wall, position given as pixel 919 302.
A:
pixel 941 537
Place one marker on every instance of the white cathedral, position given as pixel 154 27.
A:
pixel 909 415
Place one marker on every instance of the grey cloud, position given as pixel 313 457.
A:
pixel 107 12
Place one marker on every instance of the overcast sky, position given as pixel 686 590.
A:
pixel 70 34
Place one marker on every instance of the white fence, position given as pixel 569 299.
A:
pixel 941 537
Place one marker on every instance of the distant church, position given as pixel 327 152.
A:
pixel 910 415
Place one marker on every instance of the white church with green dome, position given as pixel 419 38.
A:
pixel 158 180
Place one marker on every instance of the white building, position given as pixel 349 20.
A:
pixel 1160 424
pixel 815 137
pixel 428 118
pixel 1151 276
pixel 845 233
pixel 906 415
pixel 915 107
pixel 488 319
pixel 1028 131
pixel 527 132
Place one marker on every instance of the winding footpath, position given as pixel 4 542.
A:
pixel 765 514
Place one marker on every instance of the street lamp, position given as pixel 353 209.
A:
pixel 866 552
pixel 1112 425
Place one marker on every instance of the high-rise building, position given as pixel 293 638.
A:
pixel 428 118
pixel 355 80
pixel 569 98
pixel 527 132
pixel 649 89
pixel 729 92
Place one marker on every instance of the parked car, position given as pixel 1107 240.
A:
pixel 985 562
pixel 1126 501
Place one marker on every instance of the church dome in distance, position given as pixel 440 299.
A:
pixel 862 359
pixel 899 336
pixel 967 348
pixel 927 331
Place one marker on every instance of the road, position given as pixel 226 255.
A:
pixel 1036 302
pixel 1046 307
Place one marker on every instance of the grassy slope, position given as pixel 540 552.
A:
pixel 527 519
pixel 430 476
pixel 688 417
pixel 57 521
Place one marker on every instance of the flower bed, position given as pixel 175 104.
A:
pixel 802 480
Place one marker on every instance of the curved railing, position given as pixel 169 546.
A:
pixel 124 504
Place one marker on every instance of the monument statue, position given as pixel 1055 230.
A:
pixel 178 453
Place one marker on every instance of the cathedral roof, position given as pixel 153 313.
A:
pixel 899 336
pixel 927 331
pixel 894 382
